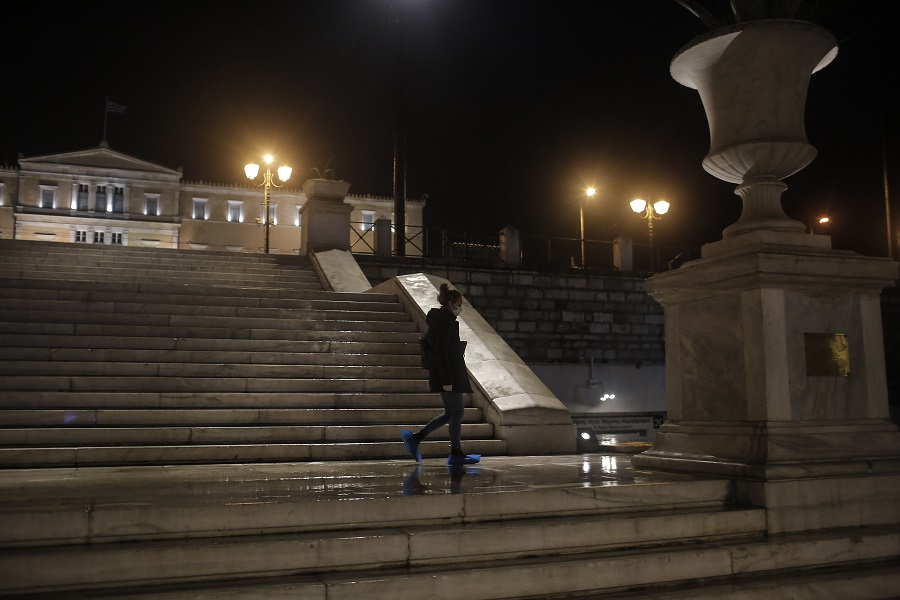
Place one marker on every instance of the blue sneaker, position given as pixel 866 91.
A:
pixel 457 461
pixel 409 441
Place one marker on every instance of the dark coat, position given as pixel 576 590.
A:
pixel 447 366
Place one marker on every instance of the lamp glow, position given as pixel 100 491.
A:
pixel 661 207
pixel 284 173
pixel 638 205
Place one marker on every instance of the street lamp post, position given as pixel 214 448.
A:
pixel 284 173
pixel 590 194
pixel 651 212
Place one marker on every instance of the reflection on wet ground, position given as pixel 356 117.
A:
pixel 315 481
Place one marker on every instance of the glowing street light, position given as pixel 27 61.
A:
pixel 651 212
pixel 824 222
pixel 590 194
pixel 284 173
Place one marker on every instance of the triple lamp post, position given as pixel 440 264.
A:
pixel 284 173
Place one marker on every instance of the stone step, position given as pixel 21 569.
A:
pixel 244 434
pixel 215 384
pixel 32 399
pixel 326 370
pixel 298 320
pixel 856 582
pixel 152 503
pixel 187 417
pixel 61 250
pixel 181 293
pixel 175 269
pixel 314 299
pixel 109 356
pixel 155 305
pixel 410 559
pixel 327 332
pixel 75 356
pixel 131 275
pixel 92 456
pixel 168 263
pixel 17 345
pixel 546 541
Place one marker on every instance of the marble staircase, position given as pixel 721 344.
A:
pixel 514 527
pixel 166 420
pixel 112 355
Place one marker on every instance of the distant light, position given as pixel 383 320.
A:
pixel 824 220
pixel 638 205
pixel 590 192
pixel 661 207
pixel 606 397
pixel 585 435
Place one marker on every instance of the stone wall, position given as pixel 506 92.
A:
pixel 890 320
pixel 570 317
pixel 563 317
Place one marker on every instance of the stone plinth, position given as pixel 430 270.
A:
pixel 325 216
pixel 775 371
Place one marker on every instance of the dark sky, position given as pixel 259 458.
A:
pixel 512 107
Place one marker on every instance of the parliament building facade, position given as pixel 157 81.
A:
pixel 101 196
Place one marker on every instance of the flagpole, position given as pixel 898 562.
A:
pixel 105 115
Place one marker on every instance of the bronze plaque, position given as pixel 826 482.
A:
pixel 827 354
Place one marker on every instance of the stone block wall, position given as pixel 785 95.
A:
pixel 890 321
pixel 562 317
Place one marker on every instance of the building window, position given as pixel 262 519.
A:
pixel 82 200
pixel 98 237
pixel 152 209
pixel 299 221
pixel 234 211
pixel 80 235
pixel 100 199
pixel 368 220
pixel 115 238
pixel 48 196
pixel 118 200
pixel 272 214
pixel 199 210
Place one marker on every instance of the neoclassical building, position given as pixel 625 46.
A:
pixel 101 196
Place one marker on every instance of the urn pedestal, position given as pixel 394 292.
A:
pixel 774 352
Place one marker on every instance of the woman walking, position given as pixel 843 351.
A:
pixel 447 375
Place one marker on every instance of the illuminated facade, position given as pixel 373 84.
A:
pixel 101 196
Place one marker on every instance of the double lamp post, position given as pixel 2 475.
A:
pixel 651 212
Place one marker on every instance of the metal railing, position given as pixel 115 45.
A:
pixel 535 252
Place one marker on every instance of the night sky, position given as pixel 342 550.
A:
pixel 512 107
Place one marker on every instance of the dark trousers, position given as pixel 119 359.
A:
pixel 452 417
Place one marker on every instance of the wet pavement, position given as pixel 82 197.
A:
pixel 316 481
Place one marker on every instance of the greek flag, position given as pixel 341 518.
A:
pixel 112 107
